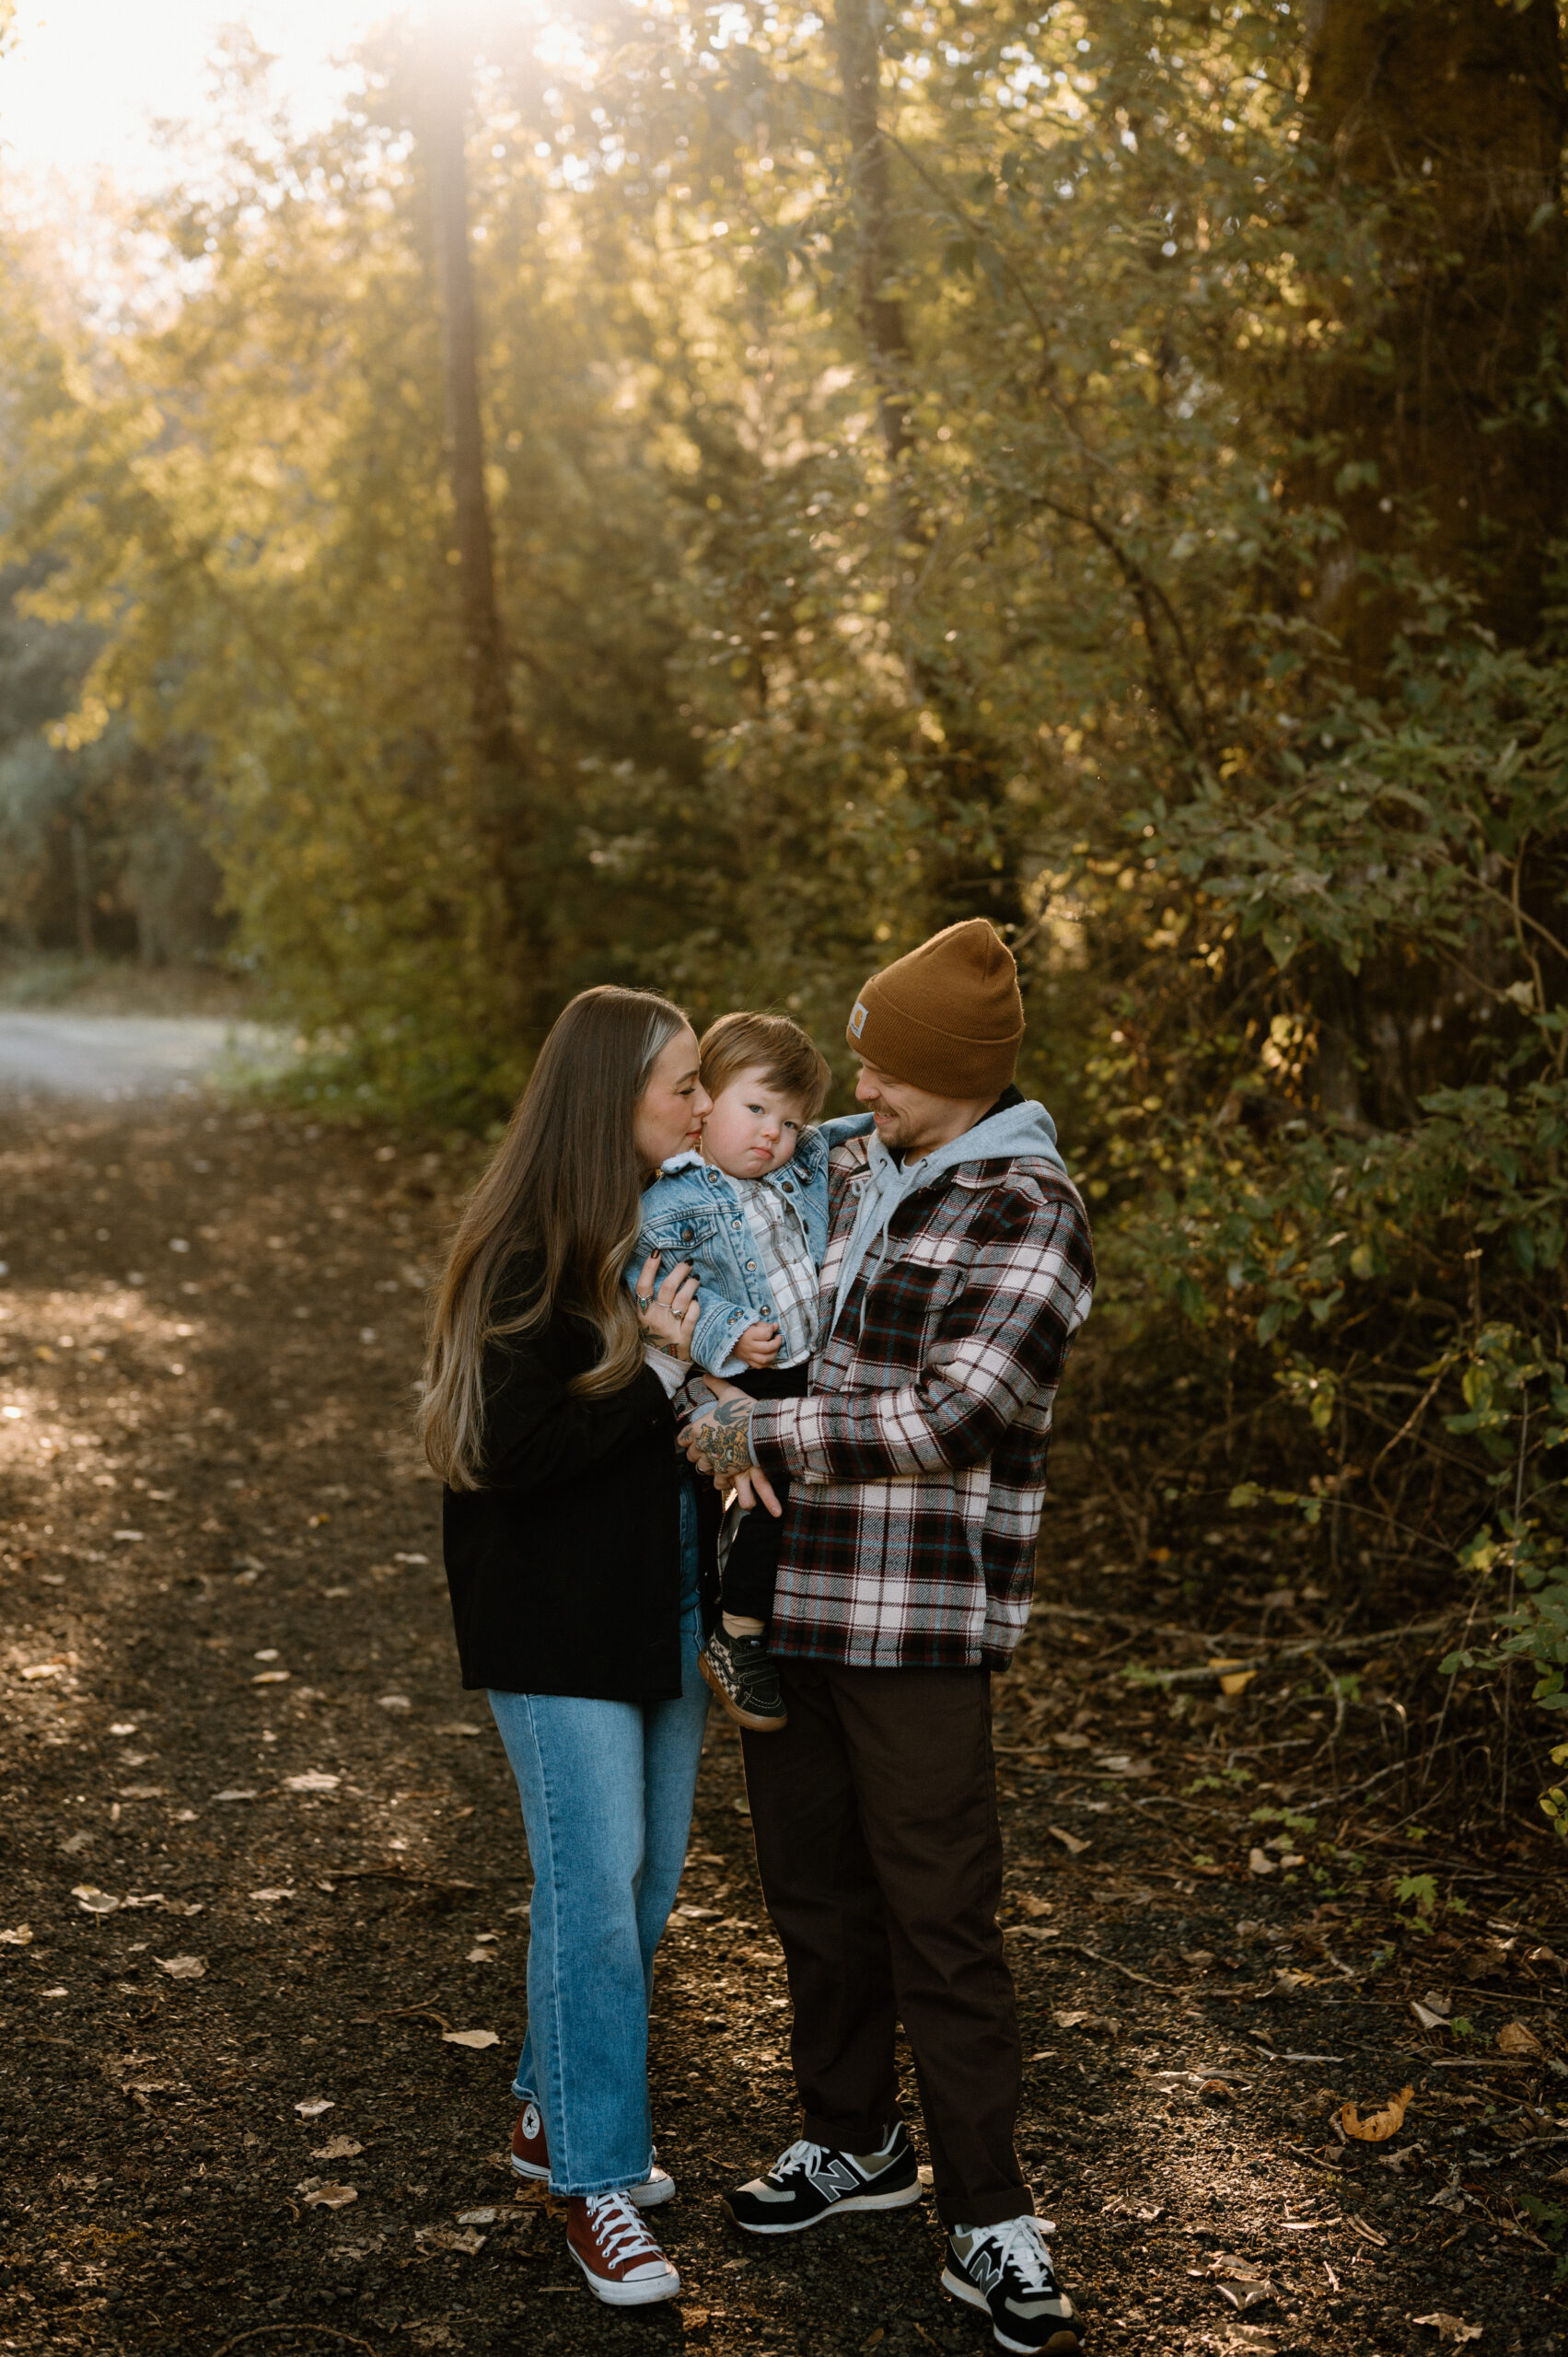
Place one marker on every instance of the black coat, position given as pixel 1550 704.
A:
pixel 565 1569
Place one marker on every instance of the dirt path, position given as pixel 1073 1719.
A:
pixel 116 1058
pixel 260 1854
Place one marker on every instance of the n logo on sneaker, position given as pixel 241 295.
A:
pixel 984 2269
pixel 836 2177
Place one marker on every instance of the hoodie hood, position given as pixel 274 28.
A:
pixel 1018 1133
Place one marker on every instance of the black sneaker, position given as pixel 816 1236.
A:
pixel 1007 2270
pixel 741 1671
pixel 812 2181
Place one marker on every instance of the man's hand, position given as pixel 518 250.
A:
pixel 759 1346
pixel 718 1441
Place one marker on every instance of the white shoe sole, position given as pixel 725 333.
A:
pixel 629 2295
pixel 646 2196
pixel 900 2199
pixel 1062 2343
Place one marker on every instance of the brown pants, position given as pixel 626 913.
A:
pixel 875 1813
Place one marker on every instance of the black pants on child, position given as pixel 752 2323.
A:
pixel 746 1584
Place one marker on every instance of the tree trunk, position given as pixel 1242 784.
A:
pixel 82 891
pixel 1449 113
pixel 857 26
pixel 490 702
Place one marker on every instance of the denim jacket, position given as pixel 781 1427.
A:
pixel 692 1212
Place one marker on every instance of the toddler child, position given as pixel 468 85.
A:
pixel 749 1213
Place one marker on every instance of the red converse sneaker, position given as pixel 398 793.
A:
pixel 625 2266
pixel 530 2155
pixel 530 2158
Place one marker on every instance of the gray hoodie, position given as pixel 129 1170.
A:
pixel 1023 1131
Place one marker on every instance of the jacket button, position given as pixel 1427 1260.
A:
pixel 751 1264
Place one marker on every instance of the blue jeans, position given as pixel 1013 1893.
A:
pixel 606 1789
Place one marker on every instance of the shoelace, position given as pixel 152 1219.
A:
pixel 1021 2246
pixel 801 2159
pixel 619 2230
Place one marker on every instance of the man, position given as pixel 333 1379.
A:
pixel 959 1267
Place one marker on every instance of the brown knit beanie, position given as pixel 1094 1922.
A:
pixel 948 1017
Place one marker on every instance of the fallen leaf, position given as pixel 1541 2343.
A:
pixel 181 1967
pixel 446 2238
pixel 269 1897
pixel 1260 1862
pixel 237 1792
pixel 1198 1958
pixel 271 1678
pixel 1216 2091
pixel 1451 2328
pixel 1515 2038
pixel 1070 1841
pixel 477 2217
pixel 93 1901
pixel 314 2106
pixel 332 2197
pixel 1034 1907
pixel 1122 1763
pixel 337 2148
pixel 20 1938
pixel 1234 1677
pixel 314 1781
pixel 1069 2021
pixel 458 1726
pixel 1227 2267
pixel 393 1702
pixel 1379 2126
pixel 472 2038
pixel 1438 2001
pixel 481 1955
pixel 1071 1742
pixel 700 1914
pixel 1425 2017
pixel 143 1792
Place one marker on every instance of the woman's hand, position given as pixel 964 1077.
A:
pixel 718 1441
pixel 667 1314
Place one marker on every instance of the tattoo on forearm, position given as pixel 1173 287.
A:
pixel 727 1440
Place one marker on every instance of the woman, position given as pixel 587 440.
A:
pixel 572 1558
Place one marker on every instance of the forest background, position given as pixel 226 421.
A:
pixel 703 496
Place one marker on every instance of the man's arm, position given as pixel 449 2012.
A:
pixel 1004 1340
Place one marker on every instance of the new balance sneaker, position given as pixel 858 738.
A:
pixel 811 2181
pixel 1007 2270
pixel 531 2159
pixel 741 1672
pixel 625 2266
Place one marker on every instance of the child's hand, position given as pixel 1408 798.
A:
pixel 759 1346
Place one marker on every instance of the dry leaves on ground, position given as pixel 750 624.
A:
pixel 1451 2328
pixel 1379 2126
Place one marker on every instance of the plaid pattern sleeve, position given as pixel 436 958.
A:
pixel 919 1456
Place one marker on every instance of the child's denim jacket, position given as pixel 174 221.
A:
pixel 692 1212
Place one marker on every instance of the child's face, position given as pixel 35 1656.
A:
pixel 753 1128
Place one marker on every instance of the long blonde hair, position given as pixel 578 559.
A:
pixel 564 1187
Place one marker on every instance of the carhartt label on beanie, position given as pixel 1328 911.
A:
pixel 948 1017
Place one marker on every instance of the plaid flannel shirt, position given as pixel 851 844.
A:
pixel 918 1458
